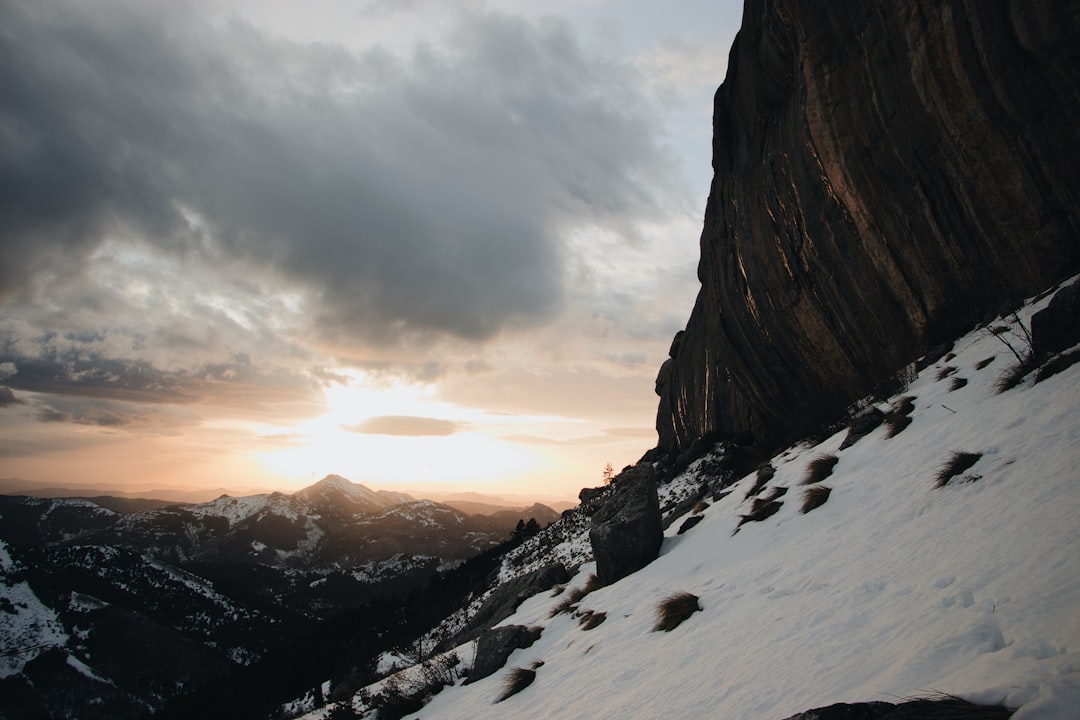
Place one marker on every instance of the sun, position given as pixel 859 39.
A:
pixel 470 453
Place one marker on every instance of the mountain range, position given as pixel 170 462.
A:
pixel 85 588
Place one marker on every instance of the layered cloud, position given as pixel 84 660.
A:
pixel 398 195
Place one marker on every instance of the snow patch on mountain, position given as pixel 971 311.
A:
pixel 28 627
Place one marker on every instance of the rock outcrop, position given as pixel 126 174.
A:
pixel 505 599
pixel 494 647
pixel 1057 327
pixel 886 175
pixel 626 531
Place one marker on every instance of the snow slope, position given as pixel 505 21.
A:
pixel 893 588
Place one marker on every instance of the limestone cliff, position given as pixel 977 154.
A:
pixel 887 172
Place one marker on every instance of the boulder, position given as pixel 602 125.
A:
pixel 494 646
pixel 848 711
pixel 626 529
pixel 1057 326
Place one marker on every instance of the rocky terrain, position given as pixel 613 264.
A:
pixel 886 176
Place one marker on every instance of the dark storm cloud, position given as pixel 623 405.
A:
pixel 99 414
pixel 77 369
pixel 405 425
pixel 408 197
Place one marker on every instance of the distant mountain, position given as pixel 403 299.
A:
pixel 86 587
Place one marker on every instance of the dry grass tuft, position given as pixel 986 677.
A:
pixel 575 595
pixel 590 619
pixel 904 405
pixel 944 372
pixel 984 362
pixel 958 462
pixel 895 424
pixel 700 507
pixel 820 468
pixel 1015 373
pixel 558 590
pixel 956 383
pixel 674 609
pixel 760 510
pixel 515 681
pixel 775 493
pixel 814 497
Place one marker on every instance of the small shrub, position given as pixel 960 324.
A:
pixel 700 507
pixel 895 424
pixel 956 383
pixel 516 680
pixel 984 362
pixel 343 711
pixel 590 619
pixel 820 468
pixel 674 609
pixel 957 463
pixel 814 497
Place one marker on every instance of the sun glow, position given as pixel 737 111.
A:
pixel 464 448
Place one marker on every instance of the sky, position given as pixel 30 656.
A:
pixel 428 246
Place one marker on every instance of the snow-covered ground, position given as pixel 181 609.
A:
pixel 893 588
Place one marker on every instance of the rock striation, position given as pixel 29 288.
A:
pixel 886 175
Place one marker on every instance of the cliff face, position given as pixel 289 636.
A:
pixel 887 173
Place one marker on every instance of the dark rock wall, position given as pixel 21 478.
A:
pixel 887 173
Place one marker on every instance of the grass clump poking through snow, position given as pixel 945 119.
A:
pixel 820 468
pixel 590 619
pixel 944 372
pixel 674 609
pixel 956 383
pixel 895 424
pixel 957 463
pixel 575 595
pixel 517 680
pixel 814 497
pixel 899 417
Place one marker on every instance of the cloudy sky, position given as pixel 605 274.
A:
pixel 422 244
